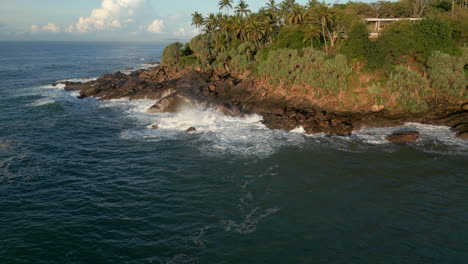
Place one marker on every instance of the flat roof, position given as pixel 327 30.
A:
pixel 390 19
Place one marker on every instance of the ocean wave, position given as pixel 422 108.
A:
pixel 217 134
pixel 42 102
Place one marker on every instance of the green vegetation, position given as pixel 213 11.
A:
pixel 313 68
pixel 447 73
pixel 326 49
pixel 172 54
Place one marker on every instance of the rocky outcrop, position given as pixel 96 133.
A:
pixel 175 89
pixel 191 129
pixel 403 136
pixel 171 103
pixel 461 130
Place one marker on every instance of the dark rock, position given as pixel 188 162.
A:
pixel 464 107
pixel 342 129
pixel 190 130
pixel 155 126
pixel 273 121
pixel 65 83
pixel 170 104
pixel 212 88
pixel 312 127
pixel 279 111
pixel 231 110
pixel 461 130
pixel 403 136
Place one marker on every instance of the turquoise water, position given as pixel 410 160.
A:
pixel 83 181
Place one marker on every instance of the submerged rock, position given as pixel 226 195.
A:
pixel 403 136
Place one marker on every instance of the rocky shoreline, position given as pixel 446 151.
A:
pixel 233 96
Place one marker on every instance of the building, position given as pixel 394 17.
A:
pixel 377 24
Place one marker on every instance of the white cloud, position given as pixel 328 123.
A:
pixel 70 28
pixel 181 32
pixel 113 14
pixel 156 27
pixel 184 32
pixel 35 28
pixel 50 27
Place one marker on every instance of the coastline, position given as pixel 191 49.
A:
pixel 173 89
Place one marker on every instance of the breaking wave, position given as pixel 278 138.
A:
pixel 218 134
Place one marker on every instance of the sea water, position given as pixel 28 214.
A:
pixel 84 181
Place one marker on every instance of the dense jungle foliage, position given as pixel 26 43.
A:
pixel 323 47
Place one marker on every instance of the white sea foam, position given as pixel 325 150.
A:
pixel 428 133
pixel 250 222
pixel 80 80
pixel 51 94
pixel 42 102
pixel 218 134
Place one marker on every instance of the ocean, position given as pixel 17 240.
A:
pixel 85 181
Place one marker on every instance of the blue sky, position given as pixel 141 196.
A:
pixel 104 20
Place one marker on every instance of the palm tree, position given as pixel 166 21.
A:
pixel 225 23
pixel 242 8
pixel 312 3
pixel 211 23
pixel 238 27
pixel 321 16
pixel 272 6
pixel 311 32
pixel 255 31
pixel 226 4
pixel 269 27
pixel 289 4
pixel 283 11
pixel 197 20
pixel 296 15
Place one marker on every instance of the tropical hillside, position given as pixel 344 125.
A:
pixel 321 53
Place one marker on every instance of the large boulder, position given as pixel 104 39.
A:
pixel 340 129
pixel 461 130
pixel 273 121
pixel 171 103
pixel 403 136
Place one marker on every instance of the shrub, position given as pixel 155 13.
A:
pixel 398 39
pixel 358 46
pixel 328 74
pixel 375 55
pixel 201 47
pixel 431 35
pixel 447 73
pixel 418 39
pixel 189 61
pixel 358 39
pixel 411 88
pixel 242 58
pixel 171 54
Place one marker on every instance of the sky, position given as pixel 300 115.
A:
pixel 104 20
